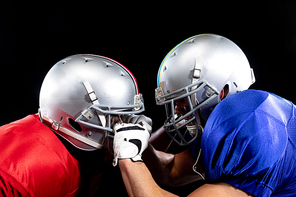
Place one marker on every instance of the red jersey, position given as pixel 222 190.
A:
pixel 34 162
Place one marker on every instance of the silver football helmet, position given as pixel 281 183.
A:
pixel 197 69
pixel 81 93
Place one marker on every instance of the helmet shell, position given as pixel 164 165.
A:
pixel 207 57
pixel 63 95
pixel 197 70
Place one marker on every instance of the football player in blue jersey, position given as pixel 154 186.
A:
pixel 242 142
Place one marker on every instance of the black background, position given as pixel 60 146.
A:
pixel 34 36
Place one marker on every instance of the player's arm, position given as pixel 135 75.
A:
pixel 160 140
pixel 129 143
pixel 171 170
pixel 167 169
pixel 219 190
pixel 139 182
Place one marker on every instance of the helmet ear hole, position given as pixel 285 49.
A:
pixel 75 125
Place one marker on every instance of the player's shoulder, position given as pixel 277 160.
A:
pixel 252 99
pixel 246 132
pixel 251 113
pixel 34 155
pixel 22 123
pixel 249 101
pixel 243 101
pixel 29 133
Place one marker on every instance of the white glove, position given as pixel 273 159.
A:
pixel 130 140
pixel 137 119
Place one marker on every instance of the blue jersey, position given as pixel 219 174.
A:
pixel 249 141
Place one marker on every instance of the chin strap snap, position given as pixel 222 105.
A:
pixel 57 128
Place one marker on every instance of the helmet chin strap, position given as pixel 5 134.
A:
pixel 57 128
pixel 198 120
pixel 193 129
pixel 94 100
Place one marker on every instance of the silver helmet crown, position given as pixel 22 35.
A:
pixel 197 69
pixel 80 94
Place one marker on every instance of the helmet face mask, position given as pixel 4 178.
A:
pixel 175 124
pixel 198 69
pixel 80 96
pixel 86 116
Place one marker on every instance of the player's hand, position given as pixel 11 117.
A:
pixel 138 119
pixel 130 140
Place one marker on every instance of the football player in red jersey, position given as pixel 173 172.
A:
pixel 81 98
